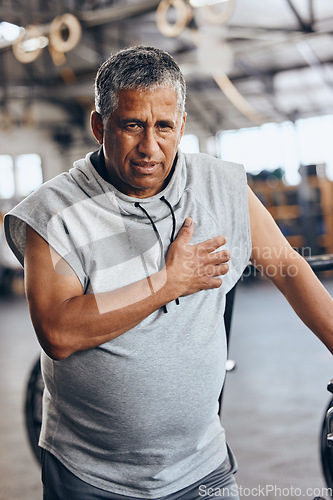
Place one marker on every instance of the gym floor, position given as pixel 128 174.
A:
pixel 273 403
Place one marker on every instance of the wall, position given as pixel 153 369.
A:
pixel 19 140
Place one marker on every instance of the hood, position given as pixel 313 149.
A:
pixel 91 182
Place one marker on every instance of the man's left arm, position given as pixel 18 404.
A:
pixel 290 273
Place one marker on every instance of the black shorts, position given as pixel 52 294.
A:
pixel 61 484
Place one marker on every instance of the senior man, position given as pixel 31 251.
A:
pixel 128 258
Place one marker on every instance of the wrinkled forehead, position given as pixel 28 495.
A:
pixel 153 91
pixel 151 100
pixel 143 91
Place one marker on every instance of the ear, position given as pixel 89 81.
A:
pixel 182 128
pixel 97 127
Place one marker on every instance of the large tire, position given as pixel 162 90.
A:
pixel 326 451
pixel 33 408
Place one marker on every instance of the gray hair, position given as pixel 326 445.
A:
pixel 142 68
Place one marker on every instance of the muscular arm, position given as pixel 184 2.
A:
pixel 272 254
pixel 67 321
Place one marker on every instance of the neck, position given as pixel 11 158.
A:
pixel 98 161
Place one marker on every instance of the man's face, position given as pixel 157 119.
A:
pixel 140 140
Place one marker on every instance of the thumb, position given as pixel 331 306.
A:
pixel 186 231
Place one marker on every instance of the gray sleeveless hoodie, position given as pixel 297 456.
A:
pixel 138 415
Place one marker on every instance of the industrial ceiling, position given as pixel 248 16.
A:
pixel 246 62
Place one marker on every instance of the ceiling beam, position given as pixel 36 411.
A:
pixel 306 27
pixel 311 12
pixel 314 62
pixel 100 17
pixel 115 13
pixel 267 82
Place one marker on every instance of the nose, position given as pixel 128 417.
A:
pixel 148 144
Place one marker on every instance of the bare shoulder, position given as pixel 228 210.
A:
pixel 269 245
pixel 47 275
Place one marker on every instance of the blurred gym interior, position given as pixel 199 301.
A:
pixel 260 92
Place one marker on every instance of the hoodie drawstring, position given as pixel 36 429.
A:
pixel 173 218
pixel 173 227
pixel 138 205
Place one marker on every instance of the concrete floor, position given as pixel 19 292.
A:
pixel 272 408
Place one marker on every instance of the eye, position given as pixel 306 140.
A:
pixel 164 127
pixel 132 127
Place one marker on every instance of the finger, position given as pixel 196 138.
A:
pixel 214 283
pixel 186 231
pixel 212 244
pixel 222 269
pixel 219 257
pixel 213 271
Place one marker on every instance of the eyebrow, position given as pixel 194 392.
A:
pixel 125 121
pixel 164 122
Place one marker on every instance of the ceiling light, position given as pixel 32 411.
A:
pixel 29 44
pixel 33 44
pixel 204 3
pixel 9 32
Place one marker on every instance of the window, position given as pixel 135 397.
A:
pixel 189 143
pixel 19 176
pixel 284 145
pixel 28 173
pixel 7 180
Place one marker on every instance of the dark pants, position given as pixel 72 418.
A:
pixel 60 484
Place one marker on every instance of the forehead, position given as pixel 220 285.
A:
pixel 162 99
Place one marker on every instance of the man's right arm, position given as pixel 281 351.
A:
pixel 66 320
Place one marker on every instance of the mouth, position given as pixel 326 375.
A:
pixel 143 167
